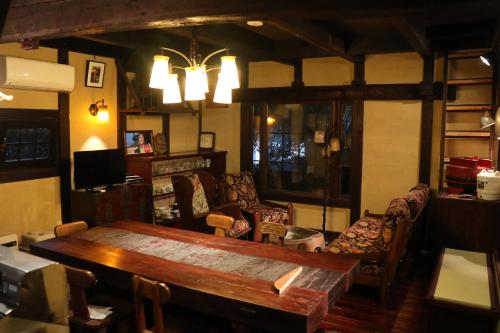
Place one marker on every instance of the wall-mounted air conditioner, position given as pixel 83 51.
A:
pixel 20 73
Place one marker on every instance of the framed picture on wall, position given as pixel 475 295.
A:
pixel 95 74
pixel 138 142
pixel 206 141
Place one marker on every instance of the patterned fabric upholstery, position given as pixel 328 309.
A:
pixel 240 189
pixel 274 215
pixel 398 209
pixel 200 204
pixel 362 237
pixel 239 227
pixel 416 198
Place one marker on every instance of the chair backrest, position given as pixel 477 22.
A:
pixel 278 230
pixel 240 188
pixel 155 291
pixel 78 281
pixel 221 223
pixel 68 229
pixel 183 189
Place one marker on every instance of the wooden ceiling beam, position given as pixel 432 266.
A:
pixel 62 18
pixel 314 35
pixel 4 8
pixel 496 38
pixel 414 34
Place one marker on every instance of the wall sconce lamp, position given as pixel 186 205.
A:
pixel 487 58
pixel 101 111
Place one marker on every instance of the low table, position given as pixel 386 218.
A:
pixel 464 292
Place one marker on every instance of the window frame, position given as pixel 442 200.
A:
pixel 36 169
pixel 351 201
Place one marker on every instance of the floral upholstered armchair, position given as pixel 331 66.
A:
pixel 195 195
pixel 239 188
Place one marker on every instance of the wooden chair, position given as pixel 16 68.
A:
pixel 79 280
pixel 278 230
pixel 67 229
pixel 183 189
pixel 155 291
pixel 224 225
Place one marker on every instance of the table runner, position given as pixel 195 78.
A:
pixel 211 258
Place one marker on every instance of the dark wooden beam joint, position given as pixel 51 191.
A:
pixel 414 34
pixel 359 70
pixel 297 74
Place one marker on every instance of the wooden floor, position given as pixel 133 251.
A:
pixel 360 311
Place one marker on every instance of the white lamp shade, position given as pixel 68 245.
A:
pixel 228 68
pixel 204 78
pixel 194 88
pixel 159 73
pixel 223 93
pixel 103 116
pixel 172 93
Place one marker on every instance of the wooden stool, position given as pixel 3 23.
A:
pixel 278 230
pixel 68 229
pixel 158 293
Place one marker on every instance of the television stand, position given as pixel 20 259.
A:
pixel 118 202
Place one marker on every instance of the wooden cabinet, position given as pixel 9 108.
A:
pixel 472 225
pixel 123 202
pixel 157 170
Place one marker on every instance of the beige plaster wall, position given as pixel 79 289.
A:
pixel 404 67
pixel 34 204
pixel 391 145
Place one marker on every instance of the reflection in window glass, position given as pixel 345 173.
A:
pixel 345 153
pixel 295 163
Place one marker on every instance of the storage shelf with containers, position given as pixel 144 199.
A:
pixel 461 132
pixel 159 169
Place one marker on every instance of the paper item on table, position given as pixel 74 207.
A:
pixel 284 281
pixel 99 312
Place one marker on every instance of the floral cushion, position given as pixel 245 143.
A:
pixel 362 237
pixel 274 215
pixel 239 228
pixel 416 198
pixel 398 209
pixel 240 189
pixel 200 204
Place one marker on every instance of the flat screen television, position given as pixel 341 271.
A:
pixel 97 168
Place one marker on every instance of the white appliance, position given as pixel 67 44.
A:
pixel 20 73
pixel 488 185
pixel 8 240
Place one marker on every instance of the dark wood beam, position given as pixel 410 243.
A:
pixel 57 18
pixel 496 38
pixel 414 34
pixel 242 42
pixel 327 93
pixel 426 124
pixel 314 35
pixel 87 46
pixel 64 146
pixel 4 8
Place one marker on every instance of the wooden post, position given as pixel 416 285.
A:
pixel 426 123
pixel 64 148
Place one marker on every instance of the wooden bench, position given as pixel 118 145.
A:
pixel 464 292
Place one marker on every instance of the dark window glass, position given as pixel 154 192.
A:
pixel 345 152
pixel 27 144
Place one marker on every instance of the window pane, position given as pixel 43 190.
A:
pixel 27 152
pixel 345 154
pixel 27 135
pixel 42 135
pixel 42 151
pixel 295 161
pixel 11 152
pixel 13 135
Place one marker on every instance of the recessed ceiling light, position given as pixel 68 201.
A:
pixel 255 23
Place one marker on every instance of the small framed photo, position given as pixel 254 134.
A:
pixel 95 74
pixel 138 142
pixel 206 141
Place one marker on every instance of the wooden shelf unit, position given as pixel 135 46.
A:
pixel 157 171
pixel 449 136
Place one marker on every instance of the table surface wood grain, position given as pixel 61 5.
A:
pixel 226 277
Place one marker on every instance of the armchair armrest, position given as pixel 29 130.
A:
pixel 378 216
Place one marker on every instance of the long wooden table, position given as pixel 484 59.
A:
pixel 224 277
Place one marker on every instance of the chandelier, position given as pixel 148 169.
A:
pixel 196 81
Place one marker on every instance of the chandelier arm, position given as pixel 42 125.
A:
pixel 178 67
pixel 213 68
pixel 212 54
pixel 179 53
